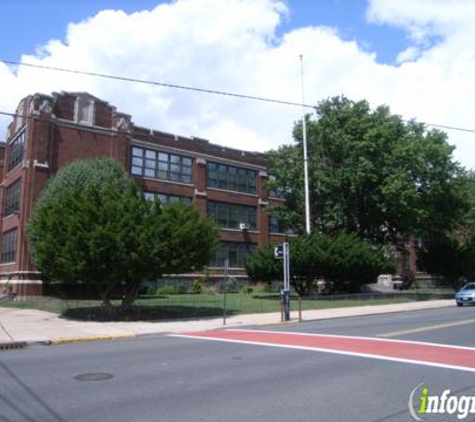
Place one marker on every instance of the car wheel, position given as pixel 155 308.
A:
pixel 459 304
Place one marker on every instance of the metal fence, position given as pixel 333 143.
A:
pixel 173 306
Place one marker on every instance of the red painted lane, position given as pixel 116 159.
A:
pixel 440 355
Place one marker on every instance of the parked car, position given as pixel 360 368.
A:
pixel 466 295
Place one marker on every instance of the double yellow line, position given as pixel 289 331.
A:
pixel 426 328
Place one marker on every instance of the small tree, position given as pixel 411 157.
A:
pixel 343 260
pixel 93 225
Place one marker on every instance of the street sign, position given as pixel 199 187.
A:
pixel 279 251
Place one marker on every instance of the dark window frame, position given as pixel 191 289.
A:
pixel 16 150
pixel 237 254
pixel 229 216
pixel 276 226
pixel 157 164
pixel 232 178
pixel 9 246
pixel 12 198
pixel 166 199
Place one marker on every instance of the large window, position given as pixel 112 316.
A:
pixel 9 246
pixel 231 215
pixel 167 199
pixel 16 150
pixel 233 178
pixel 277 226
pixel 84 110
pixel 236 253
pixel 161 165
pixel 12 198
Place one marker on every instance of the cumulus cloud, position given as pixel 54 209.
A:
pixel 231 45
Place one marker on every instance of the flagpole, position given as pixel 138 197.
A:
pixel 305 154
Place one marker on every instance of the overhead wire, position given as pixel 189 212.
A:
pixel 156 83
pixel 196 89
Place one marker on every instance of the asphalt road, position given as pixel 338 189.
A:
pixel 164 378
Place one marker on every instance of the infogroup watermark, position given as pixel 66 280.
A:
pixel 425 403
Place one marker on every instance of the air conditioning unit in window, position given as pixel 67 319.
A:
pixel 244 226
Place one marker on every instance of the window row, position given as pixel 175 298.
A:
pixel 161 165
pixel 174 167
pixel 230 216
pixel 227 177
pixel 167 199
pixel 9 245
pixel 16 150
pixel 12 198
pixel 235 253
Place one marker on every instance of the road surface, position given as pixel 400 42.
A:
pixel 250 378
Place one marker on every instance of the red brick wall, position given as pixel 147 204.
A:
pixel 54 139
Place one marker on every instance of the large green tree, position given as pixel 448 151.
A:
pixel 451 254
pixel 371 173
pixel 93 225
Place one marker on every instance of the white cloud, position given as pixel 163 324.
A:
pixel 231 45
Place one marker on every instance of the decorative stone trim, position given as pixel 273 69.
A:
pixel 45 106
pixel 201 161
pixel 37 164
pixel 200 193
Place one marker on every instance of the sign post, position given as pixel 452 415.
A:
pixel 282 252
pixel 226 276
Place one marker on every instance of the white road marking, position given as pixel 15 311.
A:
pixel 325 350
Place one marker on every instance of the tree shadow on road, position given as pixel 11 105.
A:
pixel 143 313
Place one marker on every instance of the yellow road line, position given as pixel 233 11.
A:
pixel 426 328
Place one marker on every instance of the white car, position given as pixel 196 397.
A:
pixel 466 295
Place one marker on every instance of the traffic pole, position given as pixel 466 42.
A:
pixel 286 295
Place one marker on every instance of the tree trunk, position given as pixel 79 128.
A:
pixel 130 295
pixel 109 310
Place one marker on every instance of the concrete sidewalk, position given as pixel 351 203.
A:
pixel 33 326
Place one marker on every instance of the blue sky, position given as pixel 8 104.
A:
pixel 348 16
pixel 417 57
pixel 34 22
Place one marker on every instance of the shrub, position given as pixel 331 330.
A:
pixel 197 288
pixel 247 290
pixel 152 290
pixel 166 290
pixel 343 260
pixel 264 288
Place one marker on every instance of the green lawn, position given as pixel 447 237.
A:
pixel 175 306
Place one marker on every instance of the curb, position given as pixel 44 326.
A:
pixel 70 340
pixel 327 318
pixel 385 312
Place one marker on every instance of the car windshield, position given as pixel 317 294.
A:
pixel 470 286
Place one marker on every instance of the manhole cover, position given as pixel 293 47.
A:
pixel 93 377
